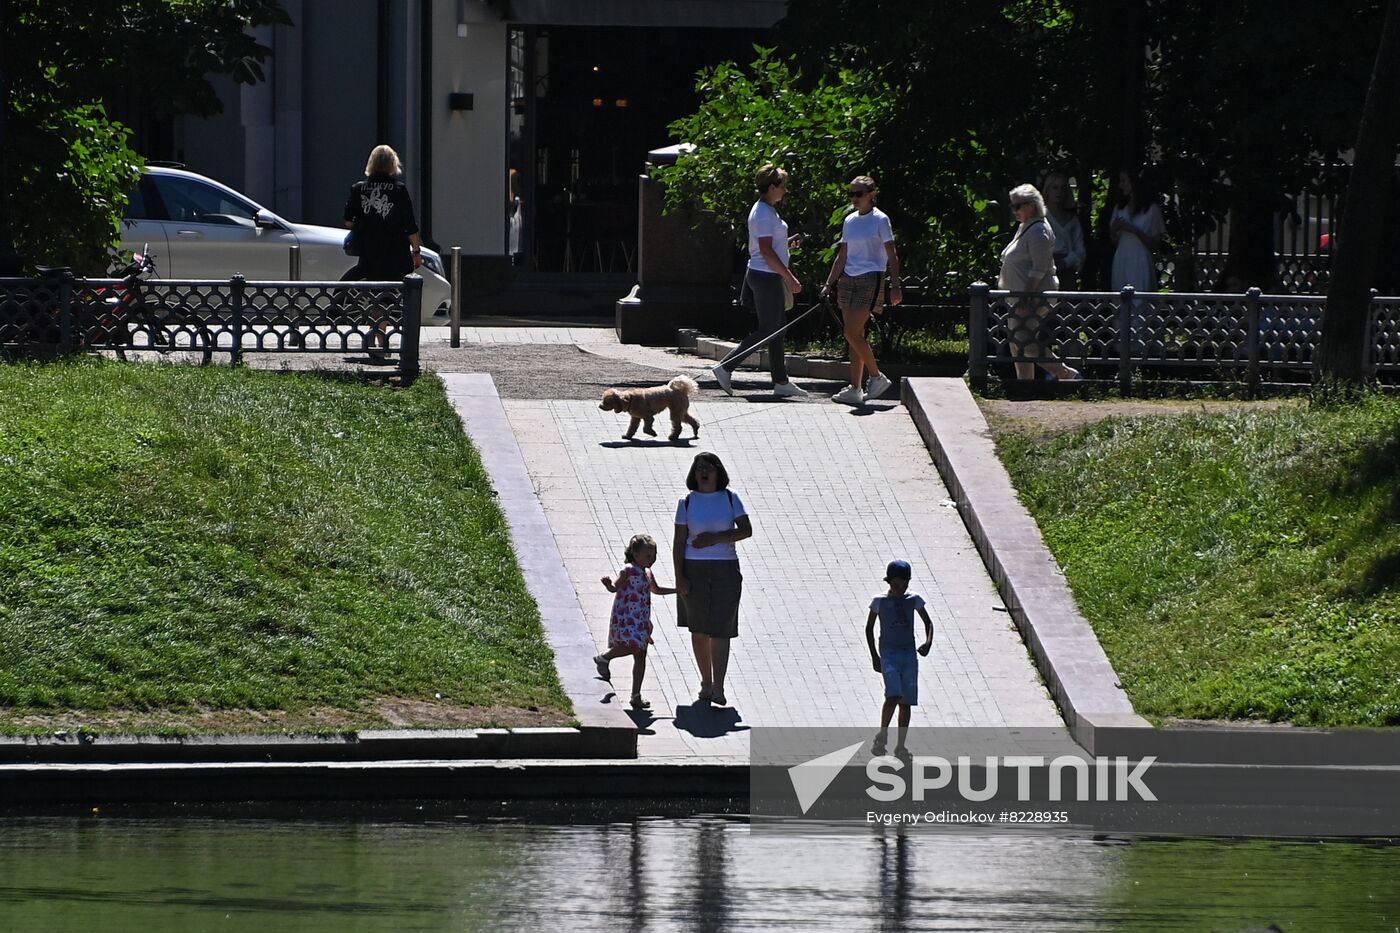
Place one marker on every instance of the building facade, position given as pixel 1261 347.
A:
pixel 523 124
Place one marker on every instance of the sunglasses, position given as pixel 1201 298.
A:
pixel 858 192
pixel 1017 205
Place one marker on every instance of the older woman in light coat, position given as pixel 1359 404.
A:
pixel 1027 266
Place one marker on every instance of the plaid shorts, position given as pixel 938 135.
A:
pixel 861 292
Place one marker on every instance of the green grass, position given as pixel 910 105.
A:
pixel 178 538
pixel 1242 565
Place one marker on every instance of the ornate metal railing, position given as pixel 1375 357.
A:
pixel 1297 274
pixel 67 315
pixel 1256 337
pixel 928 302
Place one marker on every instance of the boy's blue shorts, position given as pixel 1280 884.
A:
pixel 901 670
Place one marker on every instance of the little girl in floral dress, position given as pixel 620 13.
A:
pixel 629 629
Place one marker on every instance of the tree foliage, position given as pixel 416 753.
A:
pixel 822 133
pixel 1233 106
pixel 66 164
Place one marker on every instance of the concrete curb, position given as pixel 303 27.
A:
pixel 368 745
pixel 23 786
pixel 1066 650
pixel 715 349
pixel 1238 799
pixel 605 731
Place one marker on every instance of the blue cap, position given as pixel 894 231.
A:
pixel 899 568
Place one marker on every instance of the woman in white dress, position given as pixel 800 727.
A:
pixel 1137 230
pixel 1069 233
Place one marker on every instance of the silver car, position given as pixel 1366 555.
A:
pixel 197 228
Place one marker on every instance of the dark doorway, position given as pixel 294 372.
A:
pixel 595 101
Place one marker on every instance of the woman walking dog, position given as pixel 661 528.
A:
pixel 858 276
pixel 768 283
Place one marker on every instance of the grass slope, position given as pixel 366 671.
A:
pixel 174 537
pixel 1239 565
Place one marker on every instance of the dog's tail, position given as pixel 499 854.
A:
pixel 683 384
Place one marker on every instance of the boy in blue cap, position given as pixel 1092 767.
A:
pixel 895 657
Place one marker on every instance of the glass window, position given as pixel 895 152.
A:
pixel 136 209
pixel 190 201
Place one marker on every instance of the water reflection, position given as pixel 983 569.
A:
pixel 698 874
pixel 895 881
pixel 635 883
pixel 711 876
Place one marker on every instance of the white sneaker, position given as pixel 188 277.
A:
pixel 724 379
pixel 877 386
pixel 789 390
pixel 849 396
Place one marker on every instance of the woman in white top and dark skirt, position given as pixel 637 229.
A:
pixel 858 275
pixel 768 281
pixel 709 520
pixel 1028 265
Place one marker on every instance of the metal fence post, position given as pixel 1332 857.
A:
pixel 237 284
pixel 66 336
pixel 1371 359
pixel 1125 338
pixel 977 335
pixel 456 340
pixel 1251 323
pixel 412 325
pixel 294 262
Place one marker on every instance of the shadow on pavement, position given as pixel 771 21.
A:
pixel 708 722
pixel 643 720
pixel 637 442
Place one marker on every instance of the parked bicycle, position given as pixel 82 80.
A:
pixel 133 316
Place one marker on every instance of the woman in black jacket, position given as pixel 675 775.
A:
pixel 380 213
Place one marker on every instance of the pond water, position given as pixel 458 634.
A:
pixel 443 871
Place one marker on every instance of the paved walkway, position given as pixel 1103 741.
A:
pixel 834 495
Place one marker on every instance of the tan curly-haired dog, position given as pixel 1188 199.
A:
pixel 645 404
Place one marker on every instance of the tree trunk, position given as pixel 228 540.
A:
pixel 1249 262
pixel 1344 354
pixel 9 262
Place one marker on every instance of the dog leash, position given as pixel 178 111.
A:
pixel 734 354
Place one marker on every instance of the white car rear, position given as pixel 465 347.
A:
pixel 197 228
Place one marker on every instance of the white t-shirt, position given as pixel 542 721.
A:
pixel 709 511
pixel 764 221
pixel 865 236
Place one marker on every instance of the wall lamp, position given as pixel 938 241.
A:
pixel 458 101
